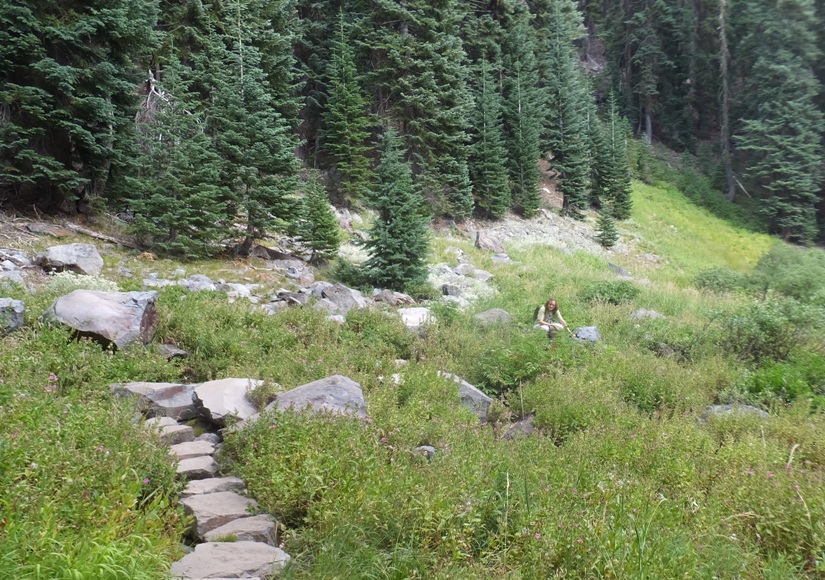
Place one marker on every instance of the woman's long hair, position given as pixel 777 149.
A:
pixel 547 305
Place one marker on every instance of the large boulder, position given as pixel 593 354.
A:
pixel 471 397
pixel 11 314
pixel 78 258
pixel 415 318
pixel 489 242
pixel 734 411
pixel 345 299
pixel 494 316
pixel 219 399
pixel 120 318
pixel 336 394
pixel 587 334
pixel 160 399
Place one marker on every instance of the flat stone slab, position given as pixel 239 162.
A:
pixel 192 449
pixel 213 510
pixel 222 398
pixel 202 467
pixel 172 400
pixel 471 397
pixel 170 432
pixel 213 485
pixel 230 560
pixel 260 528
pixel 12 313
pixel 414 318
pixel 79 258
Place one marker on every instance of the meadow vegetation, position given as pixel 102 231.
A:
pixel 627 476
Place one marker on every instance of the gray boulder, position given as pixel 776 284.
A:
pixel 213 485
pixel 336 394
pixel 198 282
pixel 230 560
pixel 415 318
pixel 12 314
pixel 78 258
pixel 734 411
pixel 219 399
pixel 587 334
pixel 471 397
pixel 203 467
pixel 160 399
pixel 641 314
pixel 520 429
pixel 344 298
pixel 121 318
pixel 489 242
pixel 260 528
pixel 171 433
pixel 494 316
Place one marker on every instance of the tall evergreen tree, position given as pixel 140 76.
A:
pixel 567 98
pixel 614 174
pixel 419 77
pixel 67 101
pixel 399 240
pixel 781 131
pixel 607 236
pixel 176 193
pixel 347 120
pixel 254 140
pixel 522 114
pixel 488 156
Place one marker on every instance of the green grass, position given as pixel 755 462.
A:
pixel 624 478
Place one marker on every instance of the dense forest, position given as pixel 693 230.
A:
pixel 207 119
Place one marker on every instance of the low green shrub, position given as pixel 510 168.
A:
pixel 612 292
pixel 791 271
pixel 801 375
pixel 720 280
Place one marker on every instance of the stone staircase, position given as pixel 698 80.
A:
pixel 232 542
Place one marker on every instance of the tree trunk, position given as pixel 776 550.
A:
pixel 724 112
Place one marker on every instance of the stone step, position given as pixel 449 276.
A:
pixel 212 510
pixel 203 467
pixel 192 449
pixel 213 485
pixel 230 560
pixel 261 528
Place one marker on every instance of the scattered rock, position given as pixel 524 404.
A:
pixel 520 429
pixel 78 258
pixel 487 241
pixel 415 318
pixel 121 318
pixel 471 397
pixel 502 259
pixel 494 316
pixel 12 314
pixel 392 298
pixel 587 334
pixel 641 314
pixel 170 351
pixel 618 270
pixel 198 283
pixel 450 290
pixel 733 411
pixel 427 451
pixel 336 394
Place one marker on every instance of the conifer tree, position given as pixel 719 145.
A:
pixel 608 236
pixel 318 229
pixel 782 128
pixel 399 240
pixel 347 120
pixel 522 115
pixel 254 141
pixel 419 77
pixel 615 172
pixel 68 77
pixel 176 194
pixel 487 154
pixel 565 90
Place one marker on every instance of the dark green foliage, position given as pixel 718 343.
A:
pixel 720 280
pixel 522 360
pixel 770 330
pixel 795 272
pixel 801 376
pixel 608 236
pixel 522 115
pixel 566 105
pixel 614 174
pixel 782 128
pixel 67 102
pixel 488 157
pixel 616 292
pixel 399 239
pixel 347 120
pixel 179 205
pixel 317 228
pixel 419 78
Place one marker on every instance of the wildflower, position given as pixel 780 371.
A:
pixel 538 536
pixel 146 480
pixel 579 540
pixel 52 377
pixel 65 411
pixel 769 475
